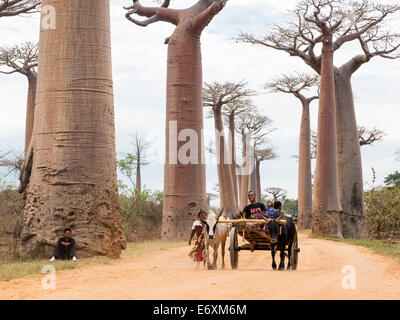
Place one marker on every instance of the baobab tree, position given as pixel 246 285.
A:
pixel 23 59
pixel 140 146
pixel 367 137
pixel 296 85
pixel 131 164
pixel 69 174
pixel 184 176
pixel 230 111
pixel 219 96
pixel 252 127
pixel 260 155
pixel 276 192
pixel 363 22
pixel 10 8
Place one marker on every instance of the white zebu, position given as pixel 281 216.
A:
pixel 214 234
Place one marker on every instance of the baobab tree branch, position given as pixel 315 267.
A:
pixel 347 20
pixel 10 8
pixel 370 136
pixel 294 84
pixel 20 58
pixel 204 18
pixel 154 14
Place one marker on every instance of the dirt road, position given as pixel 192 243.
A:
pixel 171 275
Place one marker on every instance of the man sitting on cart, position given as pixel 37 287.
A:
pixel 255 209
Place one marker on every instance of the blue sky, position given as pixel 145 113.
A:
pixel 139 73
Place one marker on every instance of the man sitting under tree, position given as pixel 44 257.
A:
pixel 65 249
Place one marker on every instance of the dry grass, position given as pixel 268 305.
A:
pixel 13 268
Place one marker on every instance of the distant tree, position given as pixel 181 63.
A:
pixel 12 162
pixel 141 147
pixel 210 197
pixel 23 59
pixel 131 164
pixel 218 96
pixel 276 192
pixel 369 136
pixel 252 127
pixel 261 155
pixel 10 8
pixel 393 179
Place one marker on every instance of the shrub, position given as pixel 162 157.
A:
pixel 11 208
pixel 383 212
pixel 141 214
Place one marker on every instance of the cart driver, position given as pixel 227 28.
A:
pixel 254 209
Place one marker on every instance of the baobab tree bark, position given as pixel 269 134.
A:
pixel 72 158
pixel 245 172
pixel 232 141
pixel 184 176
pixel 30 109
pixel 349 158
pixel 305 208
pixel 326 205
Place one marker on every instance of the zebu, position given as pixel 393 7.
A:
pixel 214 235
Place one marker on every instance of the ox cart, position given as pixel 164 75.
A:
pixel 256 239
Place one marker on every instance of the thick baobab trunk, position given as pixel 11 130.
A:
pixel 326 204
pixel 184 172
pixel 73 182
pixel 30 109
pixel 349 159
pixel 305 213
pixel 226 188
pixel 233 157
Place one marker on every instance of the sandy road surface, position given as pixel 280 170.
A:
pixel 171 275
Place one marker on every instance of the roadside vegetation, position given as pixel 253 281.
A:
pixel 13 267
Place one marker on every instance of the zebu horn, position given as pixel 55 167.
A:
pixel 220 213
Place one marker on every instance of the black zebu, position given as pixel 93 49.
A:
pixel 282 235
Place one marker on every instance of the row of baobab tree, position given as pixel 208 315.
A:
pixel 338 206
pixel 69 170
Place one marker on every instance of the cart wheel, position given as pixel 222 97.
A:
pixel 294 256
pixel 234 253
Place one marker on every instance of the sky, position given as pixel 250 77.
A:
pixel 139 75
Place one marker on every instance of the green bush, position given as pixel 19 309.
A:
pixel 141 214
pixel 11 208
pixel 383 212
